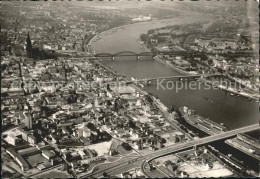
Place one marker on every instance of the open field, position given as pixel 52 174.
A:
pixel 101 148
pixel 55 173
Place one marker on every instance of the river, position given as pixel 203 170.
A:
pixel 233 112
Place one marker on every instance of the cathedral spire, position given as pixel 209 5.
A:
pixel 29 46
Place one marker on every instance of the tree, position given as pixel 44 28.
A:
pixel 204 57
pixel 143 37
pixel 91 126
pixel 109 103
pixel 105 174
pixel 210 62
pixel 131 124
pixel 126 146
pixel 193 63
pixel 7 174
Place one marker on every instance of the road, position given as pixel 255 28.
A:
pixel 141 160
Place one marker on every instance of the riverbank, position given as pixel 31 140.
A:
pixel 122 26
pixel 106 31
pixel 88 41
pixel 162 107
pixel 171 66
pixel 232 91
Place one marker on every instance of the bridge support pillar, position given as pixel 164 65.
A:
pixel 195 147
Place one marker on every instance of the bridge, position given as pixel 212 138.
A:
pixel 179 77
pixel 124 54
pixel 199 142
pixel 147 80
pixel 141 160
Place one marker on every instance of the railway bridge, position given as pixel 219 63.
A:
pixel 124 54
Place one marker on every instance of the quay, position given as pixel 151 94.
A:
pixel 246 144
pixel 244 147
pixel 243 95
pixel 171 66
pixel 205 125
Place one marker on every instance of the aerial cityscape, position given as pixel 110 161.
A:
pixel 130 89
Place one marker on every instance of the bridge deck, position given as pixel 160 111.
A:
pixel 123 53
pixel 180 76
pixel 170 149
pixel 202 141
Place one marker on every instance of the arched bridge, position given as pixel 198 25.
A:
pixel 124 54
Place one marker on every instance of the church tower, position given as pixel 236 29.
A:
pixel 29 46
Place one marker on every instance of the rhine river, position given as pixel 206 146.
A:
pixel 221 108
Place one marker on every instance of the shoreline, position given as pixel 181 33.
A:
pixel 231 90
pixel 171 66
pixel 160 105
pixel 108 30
pixel 87 45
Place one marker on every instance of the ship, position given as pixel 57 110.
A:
pixel 141 85
pixel 133 79
pixel 240 96
pixel 142 18
pixel 204 124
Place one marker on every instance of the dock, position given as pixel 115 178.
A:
pixel 204 124
pixel 244 147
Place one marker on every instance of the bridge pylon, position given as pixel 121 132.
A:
pixel 195 147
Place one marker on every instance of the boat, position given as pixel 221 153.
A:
pixel 141 85
pixel 208 99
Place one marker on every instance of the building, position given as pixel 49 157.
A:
pixel 83 155
pixel 171 166
pixel 18 158
pixel 23 133
pixel 27 120
pixel 85 141
pixel 12 139
pixel 48 154
pixel 179 136
pixel 31 139
pixel 86 132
